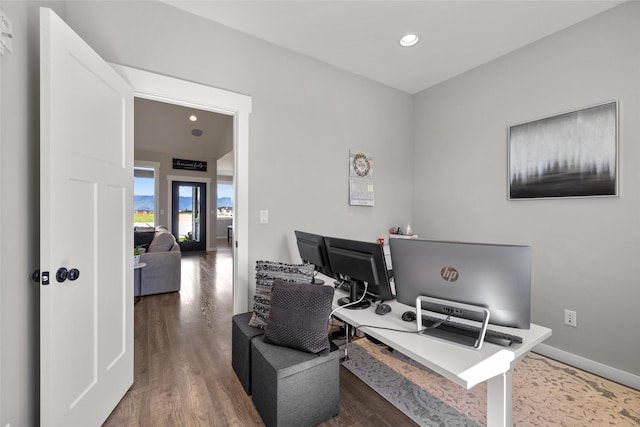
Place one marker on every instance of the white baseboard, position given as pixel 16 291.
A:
pixel 605 371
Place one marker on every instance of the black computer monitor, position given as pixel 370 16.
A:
pixel 359 263
pixel 313 251
pixel 493 276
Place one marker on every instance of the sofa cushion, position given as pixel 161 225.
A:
pixel 266 273
pixel 163 241
pixel 299 316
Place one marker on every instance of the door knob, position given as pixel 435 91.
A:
pixel 73 274
pixel 61 274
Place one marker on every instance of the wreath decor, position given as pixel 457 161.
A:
pixel 361 164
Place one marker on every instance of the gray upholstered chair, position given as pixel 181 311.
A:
pixel 163 264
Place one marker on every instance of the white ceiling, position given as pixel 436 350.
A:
pixel 165 128
pixel 362 36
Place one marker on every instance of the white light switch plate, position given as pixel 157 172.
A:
pixel 264 217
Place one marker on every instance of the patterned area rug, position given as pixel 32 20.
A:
pixel 545 392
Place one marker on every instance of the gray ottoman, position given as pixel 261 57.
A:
pixel 292 387
pixel 241 336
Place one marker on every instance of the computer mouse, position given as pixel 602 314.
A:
pixel 409 316
pixel 383 309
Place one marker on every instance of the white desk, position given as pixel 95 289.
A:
pixel 466 367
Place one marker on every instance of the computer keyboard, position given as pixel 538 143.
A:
pixel 470 331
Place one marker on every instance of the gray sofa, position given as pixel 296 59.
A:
pixel 163 262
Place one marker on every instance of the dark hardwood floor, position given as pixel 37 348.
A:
pixel 183 374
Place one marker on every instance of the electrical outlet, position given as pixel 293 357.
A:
pixel 570 318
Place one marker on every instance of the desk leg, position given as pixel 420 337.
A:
pixel 499 401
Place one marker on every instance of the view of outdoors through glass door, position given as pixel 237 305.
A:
pixel 188 224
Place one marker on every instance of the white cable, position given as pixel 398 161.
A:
pixel 366 286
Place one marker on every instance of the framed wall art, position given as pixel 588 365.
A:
pixel 573 154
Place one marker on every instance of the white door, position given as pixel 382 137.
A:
pixel 86 197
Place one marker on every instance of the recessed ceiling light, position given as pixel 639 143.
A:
pixel 193 118
pixel 409 40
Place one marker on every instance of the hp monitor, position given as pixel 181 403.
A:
pixel 359 263
pixel 313 251
pixel 496 277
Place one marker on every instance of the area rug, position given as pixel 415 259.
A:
pixel 545 392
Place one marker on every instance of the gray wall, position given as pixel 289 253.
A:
pixel 585 251
pixel 306 116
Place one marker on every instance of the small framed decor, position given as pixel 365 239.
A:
pixel 573 154
pixel 361 179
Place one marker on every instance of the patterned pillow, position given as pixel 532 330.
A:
pixel 266 273
pixel 299 316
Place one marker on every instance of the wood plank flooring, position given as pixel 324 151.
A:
pixel 183 374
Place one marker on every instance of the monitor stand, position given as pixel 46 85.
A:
pixel 454 308
pixel 353 296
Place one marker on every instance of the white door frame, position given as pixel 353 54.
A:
pixel 161 88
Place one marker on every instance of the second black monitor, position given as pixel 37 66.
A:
pixel 360 263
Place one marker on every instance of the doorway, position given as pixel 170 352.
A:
pixel 188 202
pixel 163 88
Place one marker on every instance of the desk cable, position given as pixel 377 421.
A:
pixel 366 286
pixel 433 326
pixel 346 351
pixel 346 355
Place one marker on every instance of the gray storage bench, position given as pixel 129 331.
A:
pixel 241 336
pixel 292 371
pixel 292 387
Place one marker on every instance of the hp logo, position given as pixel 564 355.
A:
pixel 449 274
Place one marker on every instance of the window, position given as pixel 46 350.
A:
pixel 225 200
pixel 144 200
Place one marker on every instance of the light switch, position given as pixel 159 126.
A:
pixel 264 217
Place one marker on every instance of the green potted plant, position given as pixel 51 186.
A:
pixel 136 254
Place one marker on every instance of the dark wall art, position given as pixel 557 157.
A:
pixel 190 165
pixel 568 155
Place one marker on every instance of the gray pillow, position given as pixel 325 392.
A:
pixel 162 242
pixel 266 273
pixel 299 316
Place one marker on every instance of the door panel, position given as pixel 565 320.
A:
pixel 187 223
pixel 86 197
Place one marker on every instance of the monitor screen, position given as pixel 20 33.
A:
pixel 497 277
pixel 359 263
pixel 313 251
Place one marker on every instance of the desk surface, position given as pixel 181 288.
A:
pixel 466 367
